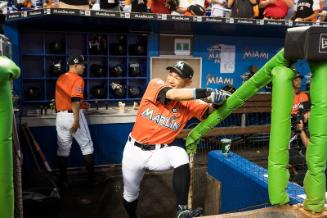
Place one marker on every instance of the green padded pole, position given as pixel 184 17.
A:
pixel 8 72
pixel 239 97
pixel 315 180
pixel 280 133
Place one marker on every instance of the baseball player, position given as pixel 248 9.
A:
pixel 164 110
pixel 70 120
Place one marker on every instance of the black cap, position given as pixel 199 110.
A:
pixel 183 69
pixel 298 75
pixel 75 59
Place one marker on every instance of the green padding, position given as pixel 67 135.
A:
pixel 280 133
pixel 246 91
pixel 8 72
pixel 315 181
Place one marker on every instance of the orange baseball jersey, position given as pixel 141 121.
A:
pixel 298 99
pixel 157 123
pixel 68 85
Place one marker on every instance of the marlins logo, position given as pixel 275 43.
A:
pixel 323 43
pixel 179 65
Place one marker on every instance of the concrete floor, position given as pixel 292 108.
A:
pixel 104 200
pixel 157 199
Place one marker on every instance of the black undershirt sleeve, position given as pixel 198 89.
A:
pixel 75 99
pixel 162 95
pixel 206 114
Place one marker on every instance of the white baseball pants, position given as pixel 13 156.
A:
pixel 136 161
pixel 64 122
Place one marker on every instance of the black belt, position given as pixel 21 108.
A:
pixel 68 111
pixel 144 147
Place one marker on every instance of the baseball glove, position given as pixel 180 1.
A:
pixel 197 10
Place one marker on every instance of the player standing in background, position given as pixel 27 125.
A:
pixel 70 119
pixel 299 96
pixel 164 111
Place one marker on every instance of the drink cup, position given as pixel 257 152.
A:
pixel 225 143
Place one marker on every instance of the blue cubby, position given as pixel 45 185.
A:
pixel 44 56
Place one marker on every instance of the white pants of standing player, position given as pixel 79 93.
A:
pixel 136 161
pixel 64 122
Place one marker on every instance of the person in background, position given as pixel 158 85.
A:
pixel 307 10
pixel 191 8
pixel 70 119
pixel 106 5
pixel 162 6
pixel 74 4
pixel 291 11
pixel 218 8
pixel 275 9
pixel 299 96
pixel 241 8
pixel 137 6
pixel 299 143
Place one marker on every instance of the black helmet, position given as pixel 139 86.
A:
pixel 134 69
pixel 118 89
pixel 56 68
pixel 134 91
pixel 98 91
pixel 97 70
pixel 117 71
pixel 57 47
pixel 97 45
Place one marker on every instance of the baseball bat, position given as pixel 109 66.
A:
pixel 17 172
pixel 190 192
pixel 29 143
pixel 37 148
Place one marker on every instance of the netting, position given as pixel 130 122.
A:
pixel 252 146
pixel 249 138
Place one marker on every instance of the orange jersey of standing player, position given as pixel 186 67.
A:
pixel 68 85
pixel 157 123
pixel 298 99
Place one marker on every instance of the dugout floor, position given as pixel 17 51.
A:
pixel 157 199
pixel 104 200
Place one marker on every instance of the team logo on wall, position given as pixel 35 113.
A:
pixel 218 80
pixel 214 53
pixel 223 54
pixel 255 54
pixel 323 43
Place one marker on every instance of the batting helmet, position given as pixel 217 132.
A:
pixel 134 92
pixel 56 68
pixel 97 45
pixel 137 49
pixel 97 70
pixel 57 47
pixel 134 69
pixel 33 93
pixel 117 49
pixel 98 91
pixel 118 89
pixel 117 71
